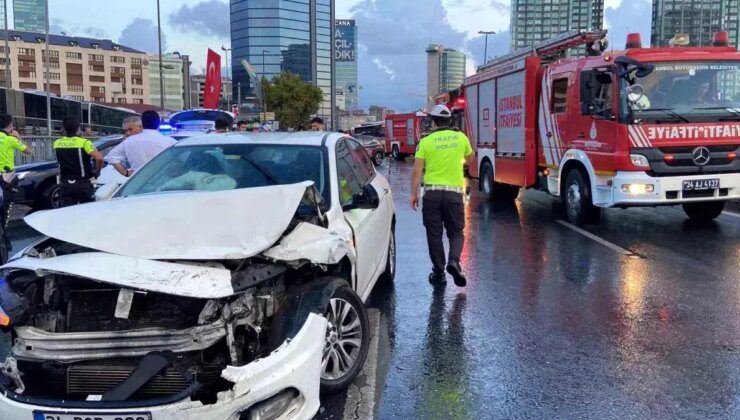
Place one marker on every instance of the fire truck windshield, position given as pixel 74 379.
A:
pixel 680 91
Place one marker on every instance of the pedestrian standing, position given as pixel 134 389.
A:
pixel 75 155
pixel 221 124
pixel 143 142
pixel 241 126
pixel 10 142
pixel 440 158
pixel 317 124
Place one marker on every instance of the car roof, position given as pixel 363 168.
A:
pixel 303 138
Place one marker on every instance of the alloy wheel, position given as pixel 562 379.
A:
pixel 343 339
pixel 574 200
pixel 56 198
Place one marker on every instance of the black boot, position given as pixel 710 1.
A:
pixel 456 272
pixel 437 279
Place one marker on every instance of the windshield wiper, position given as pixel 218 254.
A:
pixel 668 111
pixel 270 177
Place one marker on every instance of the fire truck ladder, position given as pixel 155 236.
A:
pixel 549 49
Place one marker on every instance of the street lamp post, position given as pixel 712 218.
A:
pixel 8 83
pixel 46 67
pixel 264 111
pixel 485 52
pixel 228 67
pixel 161 73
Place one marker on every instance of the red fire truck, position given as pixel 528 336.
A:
pixel 640 127
pixel 402 133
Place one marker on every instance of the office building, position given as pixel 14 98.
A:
pixel 380 112
pixel 347 120
pixel 445 70
pixel 29 15
pixel 176 75
pixel 96 70
pixel 198 84
pixel 537 20
pixel 700 19
pixel 345 56
pixel 285 36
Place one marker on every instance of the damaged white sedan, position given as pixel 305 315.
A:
pixel 224 280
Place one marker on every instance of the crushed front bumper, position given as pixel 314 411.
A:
pixel 666 190
pixel 295 365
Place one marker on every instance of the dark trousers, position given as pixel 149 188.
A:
pixel 73 192
pixel 444 210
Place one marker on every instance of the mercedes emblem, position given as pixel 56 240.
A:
pixel 701 156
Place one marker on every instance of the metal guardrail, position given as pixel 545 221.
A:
pixel 43 150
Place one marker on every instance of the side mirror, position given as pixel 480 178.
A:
pixel 635 92
pixel 105 192
pixel 367 199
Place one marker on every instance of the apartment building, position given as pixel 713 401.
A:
pixel 96 70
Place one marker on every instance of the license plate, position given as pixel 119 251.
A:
pixel 701 184
pixel 58 415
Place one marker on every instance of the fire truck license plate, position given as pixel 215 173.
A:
pixel 701 184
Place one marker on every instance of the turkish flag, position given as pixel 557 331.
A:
pixel 212 89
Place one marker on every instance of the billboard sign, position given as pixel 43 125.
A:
pixel 345 35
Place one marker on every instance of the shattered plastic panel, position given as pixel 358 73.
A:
pixel 313 243
pixel 155 276
pixel 188 225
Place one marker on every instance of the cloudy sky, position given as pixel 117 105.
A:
pixel 393 34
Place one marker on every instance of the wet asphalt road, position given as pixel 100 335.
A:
pixel 553 324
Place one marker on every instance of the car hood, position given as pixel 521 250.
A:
pixel 220 225
pixel 37 166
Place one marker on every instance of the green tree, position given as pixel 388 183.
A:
pixel 291 99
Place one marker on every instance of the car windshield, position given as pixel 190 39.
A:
pixel 229 167
pixel 703 91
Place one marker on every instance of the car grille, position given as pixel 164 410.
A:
pixel 100 377
pixel 683 163
pixel 94 310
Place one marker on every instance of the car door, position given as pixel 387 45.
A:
pixel 355 171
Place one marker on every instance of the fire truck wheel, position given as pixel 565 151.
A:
pixel 704 212
pixel 396 153
pixel 494 190
pixel 577 202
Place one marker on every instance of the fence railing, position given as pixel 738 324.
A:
pixel 43 150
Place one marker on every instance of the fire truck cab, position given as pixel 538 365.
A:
pixel 640 127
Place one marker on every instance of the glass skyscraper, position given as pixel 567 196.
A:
pixel 345 56
pixel 537 20
pixel 278 36
pixel 700 19
pixel 445 70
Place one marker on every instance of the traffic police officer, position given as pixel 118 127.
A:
pixel 75 172
pixel 9 143
pixel 440 157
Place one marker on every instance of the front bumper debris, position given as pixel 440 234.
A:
pixel 295 365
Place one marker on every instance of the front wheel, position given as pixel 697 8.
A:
pixel 378 158
pixel 390 265
pixel 396 153
pixel 50 197
pixel 347 340
pixel 577 200
pixel 704 212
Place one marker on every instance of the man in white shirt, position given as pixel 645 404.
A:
pixel 143 142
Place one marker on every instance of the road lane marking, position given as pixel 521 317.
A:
pixel 731 214
pixel 361 394
pixel 596 238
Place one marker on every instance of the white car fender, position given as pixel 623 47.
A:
pixel 582 157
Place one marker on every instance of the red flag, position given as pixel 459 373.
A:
pixel 212 89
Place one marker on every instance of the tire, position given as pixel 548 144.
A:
pixel 396 153
pixel 577 202
pixel 390 265
pixel 49 197
pixel 704 212
pixel 4 244
pixel 494 190
pixel 341 348
pixel 378 158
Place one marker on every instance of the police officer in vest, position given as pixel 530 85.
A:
pixel 75 165
pixel 440 158
pixel 9 143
